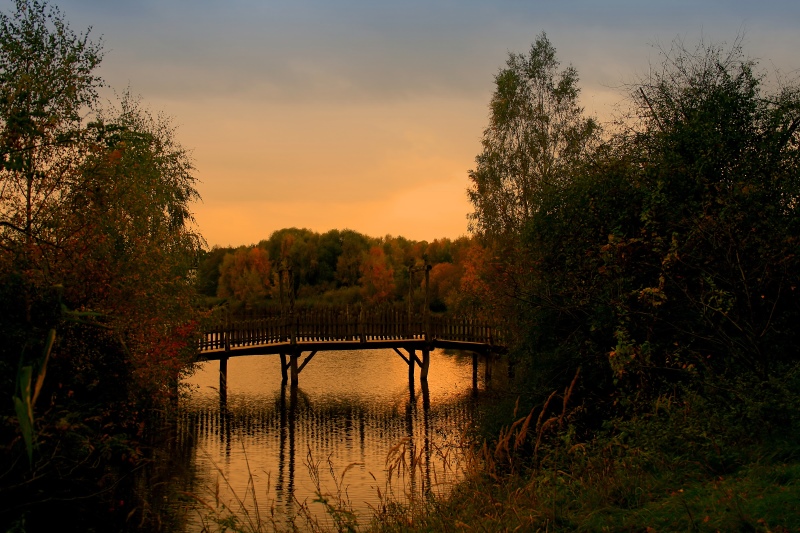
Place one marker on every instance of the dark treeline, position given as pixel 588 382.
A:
pixel 650 275
pixel 659 257
pixel 343 267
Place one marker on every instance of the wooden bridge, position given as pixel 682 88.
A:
pixel 293 333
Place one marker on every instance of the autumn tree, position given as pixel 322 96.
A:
pixel 377 276
pixel 444 282
pixel 46 81
pixel 95 250
pixel 245 275
pixel 348 264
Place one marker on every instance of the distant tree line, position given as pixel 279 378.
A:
pixel 342 267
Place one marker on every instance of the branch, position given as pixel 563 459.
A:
pixel 653 111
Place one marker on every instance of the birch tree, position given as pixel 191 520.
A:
pixel 536 137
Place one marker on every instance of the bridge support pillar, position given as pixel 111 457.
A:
pixel 293 367
pixel 411 357
pixel 284 373
pixel 426 363
pixel 223 380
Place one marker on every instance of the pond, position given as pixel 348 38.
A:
pixel 354 432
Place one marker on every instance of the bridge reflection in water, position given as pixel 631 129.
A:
pixel 276 435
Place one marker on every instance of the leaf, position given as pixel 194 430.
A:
pixel 51 337
pixel 24 409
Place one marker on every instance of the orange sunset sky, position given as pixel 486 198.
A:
pixel 366 114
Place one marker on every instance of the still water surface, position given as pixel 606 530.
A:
pixel 351 411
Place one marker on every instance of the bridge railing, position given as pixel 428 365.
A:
pixel 463 329
pixel 343 325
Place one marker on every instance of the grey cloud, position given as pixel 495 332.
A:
pixel 366 50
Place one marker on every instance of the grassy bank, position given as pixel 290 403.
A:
pixel 728 460
pixel 630 492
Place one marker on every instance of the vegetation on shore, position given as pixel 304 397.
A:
pixel 651 275
pixel 97 306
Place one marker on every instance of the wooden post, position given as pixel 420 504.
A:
pixel 411 363
pixel 280 287
pixel 408 307
pixel 223 380
pixel 226 335
pixel 427 309
pixel 360 326
pixel 426 362
pixel 426 399
pixel 284 375
pixel 294 355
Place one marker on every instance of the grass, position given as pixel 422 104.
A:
pixel 684 469
pixel 596 493
pixel 592 488
pixel 689 463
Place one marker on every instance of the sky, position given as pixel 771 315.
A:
pixel 368 115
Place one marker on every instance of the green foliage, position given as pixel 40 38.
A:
pixel 669 255
pixel 536 136
pixel 208 271
pixel 665 267
pixel 94 243
pixel 245 274
pixel 27 393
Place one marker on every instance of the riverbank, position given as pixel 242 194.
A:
pixel 628 493
pixel 725 461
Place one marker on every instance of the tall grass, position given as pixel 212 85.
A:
pixel 689 462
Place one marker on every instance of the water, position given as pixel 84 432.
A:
pixel 354 430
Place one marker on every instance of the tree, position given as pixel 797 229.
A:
pixel 245 275
pixel 208 270
pixel 96 246
pixel 670 263
pixel 536 137
pixel 377 277
pixel 717 158
pixel 445 280
pixel 348 264
pixel 46 82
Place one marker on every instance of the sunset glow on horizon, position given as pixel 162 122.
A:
pixel 367 115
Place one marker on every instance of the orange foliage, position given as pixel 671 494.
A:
pixel 377 277
pixel 245 274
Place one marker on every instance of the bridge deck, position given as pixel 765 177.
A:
pixel 274 348
pixel 337 329
pixel 312 331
